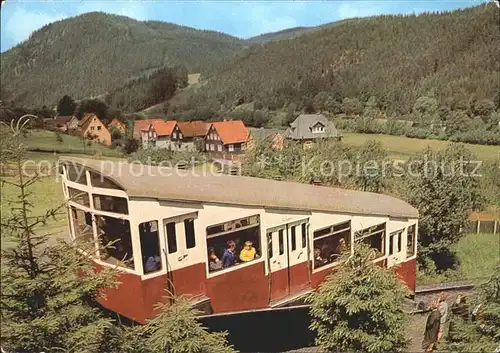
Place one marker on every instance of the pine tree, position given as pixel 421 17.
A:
pixel 48 288
pixel 66 106
pixel 483 334
pixel 177 329
pixel 359 307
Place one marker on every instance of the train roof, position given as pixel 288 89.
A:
pixel 162 183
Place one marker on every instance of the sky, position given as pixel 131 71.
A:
pixel 239 18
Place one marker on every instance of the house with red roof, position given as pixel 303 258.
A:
pixel 229 136
pixel 117 124
pixel 140 125
pixel 157 133
pixel 189 135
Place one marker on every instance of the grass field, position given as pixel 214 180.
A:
pixel 477 255
pixel 401 147
pixel 46 141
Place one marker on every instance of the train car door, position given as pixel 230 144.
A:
pixel 288 256
pixel 180 242
pixel 278 262
pixel 396 250
pixel 298 256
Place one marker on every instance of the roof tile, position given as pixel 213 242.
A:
pixel 231 131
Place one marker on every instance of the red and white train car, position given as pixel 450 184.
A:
pixel 165 222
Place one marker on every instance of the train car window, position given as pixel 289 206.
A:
pixel 110 203
pixel 411 241
pixel 76 173
pixel 116 241
pixel 171 237
pixel 304 234
pixel 100 181
pixel 294 241
pixel 82 226
pixel 234 242
pixel 374 237
pixel 280 242
pixel 270 245
pixel 150 246
pixel 189 231
pixel 78 196
pixel 330 243
pixel 395 239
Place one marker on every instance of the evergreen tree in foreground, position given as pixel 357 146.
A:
pixel 176 329
pixel 359 307
pixel 483 333
pixel 48 288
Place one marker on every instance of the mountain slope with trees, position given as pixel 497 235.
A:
pixel 96 53
pixel 452 57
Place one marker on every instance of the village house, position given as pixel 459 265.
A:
pixel 157 134
pixel 227 138
pixel 275 138
pixel 140 125
pixel 189 135
pixel 117 124
pixel 308 128
pixel 61 123
pixel 92 128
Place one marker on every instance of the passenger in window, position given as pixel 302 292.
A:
pixel 318 260
pixel 248 252
pixel 213 261
pixel 339 250
pixel 151 264
pixel 229 259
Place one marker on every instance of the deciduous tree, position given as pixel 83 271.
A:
pixel 483 333
pixel 444 186
pixel 359 307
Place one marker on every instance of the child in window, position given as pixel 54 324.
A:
pixel 229 259
pixel 213 261
pixel 248 252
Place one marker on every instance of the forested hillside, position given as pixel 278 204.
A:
pixel 96 53
pixel 452 56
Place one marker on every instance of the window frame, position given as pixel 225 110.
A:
pixel 332 233
pixel 414 241
pixel 223 271
pixel 384 245
pixel 399 232
pixel 161 269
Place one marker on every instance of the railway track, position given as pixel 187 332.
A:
pixel 425 294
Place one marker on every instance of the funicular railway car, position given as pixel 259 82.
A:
pixel 174 228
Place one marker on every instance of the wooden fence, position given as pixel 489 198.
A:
pixel 484 226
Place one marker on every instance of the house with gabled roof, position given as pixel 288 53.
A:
pixel 308 128
pixel 140 125
pixel 61 123
pixel 92 128
pixel 274 138
pixel 117 124
pixel 189 135
pixel 158 134
pixel 230 136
